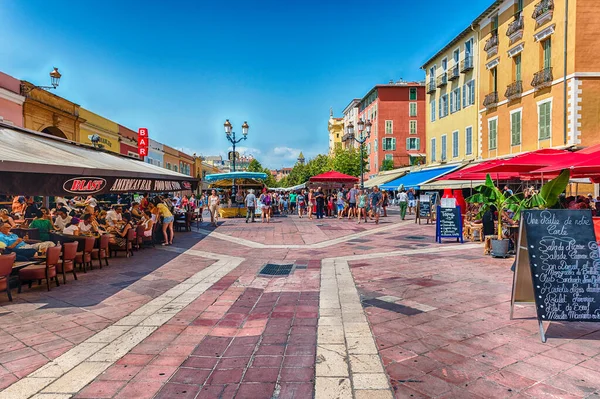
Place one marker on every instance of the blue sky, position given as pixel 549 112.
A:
pixel 181 68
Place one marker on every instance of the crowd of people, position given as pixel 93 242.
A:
pixel 352 203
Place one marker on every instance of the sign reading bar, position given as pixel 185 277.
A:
pixel 558 266
pixel 143 132
pixel 448 224
pixel 143 142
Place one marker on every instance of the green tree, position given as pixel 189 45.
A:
pixel 299 174
pixel 347 161
pixel 387 164
pixel 319 164
pixel 255 166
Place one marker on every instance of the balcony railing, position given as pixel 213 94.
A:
pixel 454 73
pixel 514 90
pixel 515 28
pixel 542 79
pixel 491 100
pixel 431 88
pixel 491 45
pixel 442 80
pixel 467 64
pixel 543 10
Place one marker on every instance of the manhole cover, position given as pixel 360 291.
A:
pixel 414 238
pixel 271 269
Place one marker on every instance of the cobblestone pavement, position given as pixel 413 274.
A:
pixel 367 311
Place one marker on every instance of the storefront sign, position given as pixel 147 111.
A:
pixel 143 132
pixel 143 142
pixel 84 185
pixel 66 185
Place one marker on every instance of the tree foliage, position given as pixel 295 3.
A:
pixel 387 164
pixel 256 166
pixel 347 161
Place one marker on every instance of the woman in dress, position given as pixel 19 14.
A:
pixel 213 206
pixel 265 200
pixel 362 204
pixel 147 223
pixel 119 234
pixel 312 202
pixel 385 203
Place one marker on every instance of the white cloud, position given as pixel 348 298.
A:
pixel 255 152
pixel 286 153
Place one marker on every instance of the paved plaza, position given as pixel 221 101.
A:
pixel 366 311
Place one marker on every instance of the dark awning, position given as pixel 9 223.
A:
pixel 33 163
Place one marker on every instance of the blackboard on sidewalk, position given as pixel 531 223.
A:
pixel 448 224
pixel 558 266
pixel 424 209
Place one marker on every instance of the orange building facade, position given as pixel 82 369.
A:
pixel 539 81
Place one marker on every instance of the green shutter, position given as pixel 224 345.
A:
pixel 545 121
pixel 516 128
pixel 518 67
pixel 547 54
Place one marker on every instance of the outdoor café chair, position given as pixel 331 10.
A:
pixel 139 236
pixel 149 240
pixel 68 260
pixel 6 265
pixel 129 242
pixel 42 271
pixel 102 251
pixel 84 257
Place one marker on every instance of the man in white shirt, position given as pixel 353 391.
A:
pixel 114 216
pixel 73 228
pixel 62 220
pixel 85 226
pixel 403 202
pixel 250 205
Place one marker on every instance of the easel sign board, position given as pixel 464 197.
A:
pixel 448 224
pixel 434 197
pixel 424 210
pixel 558 266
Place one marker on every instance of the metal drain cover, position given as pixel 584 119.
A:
pixel 271 269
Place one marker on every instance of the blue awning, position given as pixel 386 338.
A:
pixel 415 179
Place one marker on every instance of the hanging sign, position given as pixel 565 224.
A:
pixel 558 266
pixel 143 132
pixel 143 142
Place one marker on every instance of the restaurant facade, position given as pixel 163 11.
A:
pixel 104 131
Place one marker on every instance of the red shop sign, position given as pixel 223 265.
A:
pixel 143 151
pixel 143 132
pixel 142 141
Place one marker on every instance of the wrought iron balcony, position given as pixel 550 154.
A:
pixel 442 80
pixel 515 28
pixel 431 88
pixel 543 11
pixel 514 90
pixel 542 79
pixel 491 46
pixel 491 100
pixel 453 74
pixel 467 64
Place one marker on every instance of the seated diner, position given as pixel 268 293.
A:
pixel 19 246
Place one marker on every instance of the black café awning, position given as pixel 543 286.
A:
pixel 33 163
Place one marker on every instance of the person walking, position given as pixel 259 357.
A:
pixel 250 201
pixel 340 203
pixel 352 201
pixel 362 205
pixel 265 200
pixel 412 201
pixel 167 218
pixel 403 203
pixel 385 203
pixel 320 200
pixel 311 203
pixel 213 207
pixel 301 199
pixel 376 202
pixel 293 196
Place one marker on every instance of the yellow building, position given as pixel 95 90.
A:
pixel 104 131
pixel 539 76
pixel 336 131
pixel 452 98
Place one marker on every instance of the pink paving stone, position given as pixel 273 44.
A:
pixel 161 360
pixel 155 373
pixel 511 380
pixel 139 390
pixel 7 380
pixel 429 385
pixel 544 391
pixel 295 390
pixel 565 356
pixel 190 376
pixel 219 377
pixel 119 372
pixel 180 391
pixel 135 359
pixel 233 363
pixel 101 389
pixel 201 362
pixel 255 390
pixel 267 361
pixel 263 374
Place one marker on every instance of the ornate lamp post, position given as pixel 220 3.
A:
pixel 54 80
pixel 231 137
pixel 362 126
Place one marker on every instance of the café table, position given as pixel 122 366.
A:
pixel 62 238
pixel 34 234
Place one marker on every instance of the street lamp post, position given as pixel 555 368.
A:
pixel 362 126
pixel 231 137
pixel 54 80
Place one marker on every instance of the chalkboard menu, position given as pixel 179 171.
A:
pixel 434 196
pixel 449 223
pixel 565 266
pixel 424 209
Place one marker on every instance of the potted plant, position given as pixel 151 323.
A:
pixel 489 196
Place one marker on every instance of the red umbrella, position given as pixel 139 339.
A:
pixel 530 161
pixel 477 172
pixel 583 165
pixel 334 176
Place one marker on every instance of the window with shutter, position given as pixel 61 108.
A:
pixel 515 128
pixel 432 106
pixel 451 102
pixel 443 149
pixel 457 101
pixel 441 108
pixel 469 141
pixel 412 127
pixel 433 150
pixel 464 96
pixel 418 145
pixel 389 126
pixel 455 144
pixel 545 122
pixel 493 131
pixel 547 53
pixel 412 109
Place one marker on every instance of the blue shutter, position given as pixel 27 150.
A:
pixel 472 91
pixel 458 99
pixel 464 96
pixel 451 103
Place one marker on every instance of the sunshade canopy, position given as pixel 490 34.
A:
pixel 478 172
pixel 417 178
pixel 34 163
pixel 530 161
pixel 243 179
pixel 385 177
pixel 581 165
pixel 334 176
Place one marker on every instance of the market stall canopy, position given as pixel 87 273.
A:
pixel 34 163
pixel 225 180
pixel 384 177
pixel 288 189
pixel 453 184
pixel 581 165
pixel 478 172
pixel 417 178
pixel 334 176
pixel 530 161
